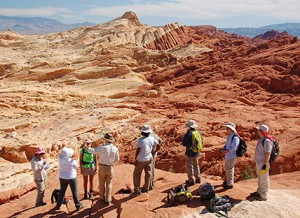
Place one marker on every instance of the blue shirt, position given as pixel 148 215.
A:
pixel 231 145
pixel 187 142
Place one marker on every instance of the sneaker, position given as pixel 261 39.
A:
pixel 86 195
pixel 198 180
pixel 79 207
pixel 91 196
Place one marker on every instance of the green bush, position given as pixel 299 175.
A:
pixel 248 173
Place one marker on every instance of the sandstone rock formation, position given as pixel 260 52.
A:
pixel 60 88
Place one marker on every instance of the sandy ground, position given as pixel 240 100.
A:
pixel 283 200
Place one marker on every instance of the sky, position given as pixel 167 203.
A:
pixel 219 13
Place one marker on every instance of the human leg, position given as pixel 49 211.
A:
pixel 148 174
pixel 74 188
pixel 196 168
pixel 40 185
pixel 137 175
pixel 108 183
pixel 229 167
pixel 63 187
pixel 189 168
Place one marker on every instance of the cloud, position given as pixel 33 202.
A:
pixel 32 11
pixel 200 9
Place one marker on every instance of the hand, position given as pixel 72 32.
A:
pixel 264 167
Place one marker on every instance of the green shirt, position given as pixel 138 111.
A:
pixel 88 159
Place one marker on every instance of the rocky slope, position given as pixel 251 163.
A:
pixel 60 88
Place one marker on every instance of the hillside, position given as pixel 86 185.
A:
pixel 291 28
pixel 36 25
pixel 57 89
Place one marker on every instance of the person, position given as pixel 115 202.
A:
pixel 39 166
pixel 88 168
pixel 146 145
pixel 108 156
pixel 154 154
pixel 191 157
pixel 68 176
pixel 231 145
pixel 262 155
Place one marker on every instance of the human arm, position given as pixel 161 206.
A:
pixel 187 139
pixel 268 145
pixel 80 159
pixel 136 154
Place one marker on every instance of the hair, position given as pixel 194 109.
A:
pixel 145 134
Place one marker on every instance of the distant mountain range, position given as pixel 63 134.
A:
pixel 291 28
pixel 36 25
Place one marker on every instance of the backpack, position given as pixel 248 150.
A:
pixel 206 191
pixel 179 194
pixel 87 158
pixel 220 203
pixel 55 196
pixel 275 150
pixel 197 141
pixel 242 147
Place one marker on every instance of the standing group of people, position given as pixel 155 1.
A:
pixel 146 152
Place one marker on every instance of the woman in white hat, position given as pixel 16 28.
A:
pixel 68 176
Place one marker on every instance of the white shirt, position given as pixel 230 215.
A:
pixel 37 167
pixel 67 167
pixel 108 154
pixel 147 145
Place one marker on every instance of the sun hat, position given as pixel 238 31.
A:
pixel 146 129
pixel 231 126
pixel 191 124
pixel 66 152
pixel 263 128
pixel 108 137
pixel 40 150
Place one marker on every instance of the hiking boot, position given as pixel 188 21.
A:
pixel 86 195
pixel 135 194
pixel 198 180
pixel 227 186
pixel 189 182
pixel 91 196
pixel 259 198
pixel 254 194
pixel 40 204
pixel 79 206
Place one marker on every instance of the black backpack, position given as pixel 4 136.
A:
pixel 275 150
pixel 242 147
pixel 55 196
pixel 206 191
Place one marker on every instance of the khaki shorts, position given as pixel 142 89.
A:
pixel 88 171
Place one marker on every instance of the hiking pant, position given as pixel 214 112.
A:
pixel 41 186
pixel 229 167
pixel 263 180
pixel 139 167
pixel 192 167
pixel 63 188
pixel 152 170
pixel 105 175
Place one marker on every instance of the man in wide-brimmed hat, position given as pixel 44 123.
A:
pixel 108 156
pixel 191 157
pixel 143 156
pixel 231 145
pixel 39 166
